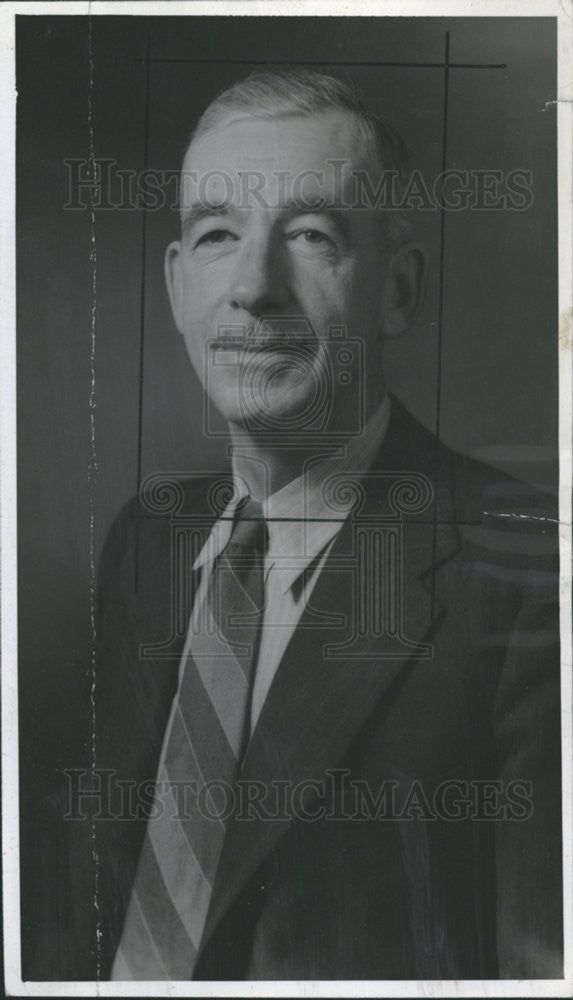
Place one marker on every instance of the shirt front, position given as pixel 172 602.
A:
pixel 302 527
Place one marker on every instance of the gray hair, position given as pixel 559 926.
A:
pixel 273 93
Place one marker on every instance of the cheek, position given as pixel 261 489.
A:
pixel 197 329
pixel 199 312
pixel 321 298
pixel 346 294
pixel 203 289
pixel 362 298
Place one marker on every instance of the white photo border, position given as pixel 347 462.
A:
pixel 562 10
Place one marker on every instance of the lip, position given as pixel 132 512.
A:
pixel 286 346
pixel 264 345
pixel 266 354
pixel 276 335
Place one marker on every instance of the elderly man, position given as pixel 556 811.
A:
pixel 350 748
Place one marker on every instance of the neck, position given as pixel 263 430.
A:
pixel 269 465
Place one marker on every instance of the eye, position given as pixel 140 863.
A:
pixel 312 240
pixel 215 237
pixel 313 236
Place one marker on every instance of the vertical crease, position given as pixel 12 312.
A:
pixel 142 312
pixel 92 483
pixel 440 319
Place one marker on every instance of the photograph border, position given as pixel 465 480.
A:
pixel 563 12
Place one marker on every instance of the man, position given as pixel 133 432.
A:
pixel 349 751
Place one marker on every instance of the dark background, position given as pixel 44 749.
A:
pixel 499 357
pixel 499 344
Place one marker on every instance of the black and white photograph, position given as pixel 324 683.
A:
pixel 286 508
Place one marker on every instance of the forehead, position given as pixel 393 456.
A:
pixel 274 155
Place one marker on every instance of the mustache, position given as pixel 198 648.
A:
pixel 267 334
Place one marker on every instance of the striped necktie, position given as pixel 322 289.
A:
pixel 205 740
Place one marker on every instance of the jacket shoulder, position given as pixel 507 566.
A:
pixel 468 490
pixel 143 521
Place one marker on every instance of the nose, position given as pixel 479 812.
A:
pixel 259 280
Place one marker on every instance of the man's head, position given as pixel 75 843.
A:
pixel 282 256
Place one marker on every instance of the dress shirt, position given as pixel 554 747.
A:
pixel 302 528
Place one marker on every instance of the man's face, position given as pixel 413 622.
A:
pixel 274 267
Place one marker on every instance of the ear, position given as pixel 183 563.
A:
pixel 174 282
pixel 404 289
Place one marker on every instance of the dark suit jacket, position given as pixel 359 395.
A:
pixel 366 887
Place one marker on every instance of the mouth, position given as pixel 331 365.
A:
pixel 285 337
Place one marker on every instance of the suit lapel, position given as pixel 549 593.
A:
pixel 325 690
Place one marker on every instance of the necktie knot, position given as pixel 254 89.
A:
pixel 250 528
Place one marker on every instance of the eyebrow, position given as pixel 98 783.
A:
pixel 320 206
pixel 199 211
pixel 292 207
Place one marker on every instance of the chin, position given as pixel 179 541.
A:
pixel 288 408
pixel 289 412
